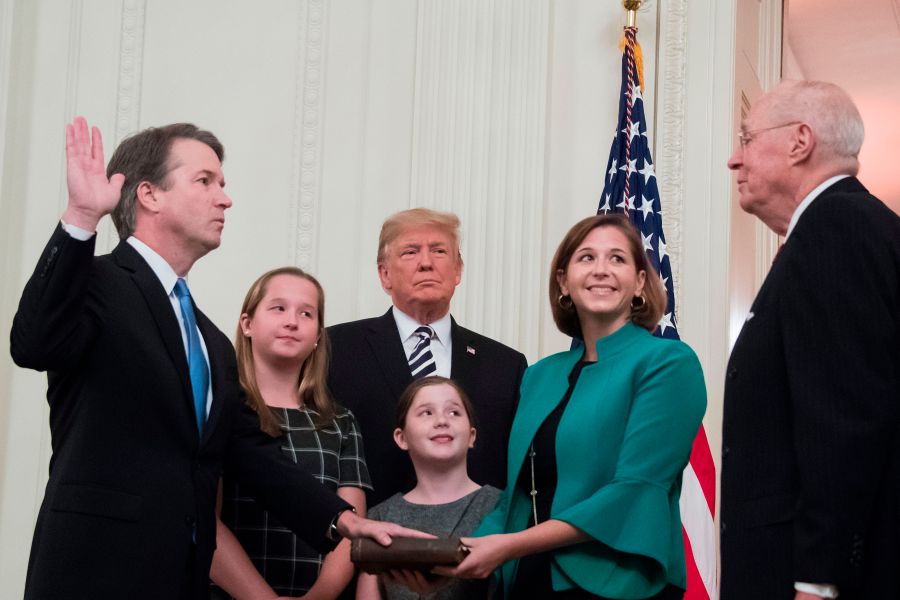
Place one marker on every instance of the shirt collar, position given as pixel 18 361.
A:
pixel 406 325
pixel 808 200
pixel 163 271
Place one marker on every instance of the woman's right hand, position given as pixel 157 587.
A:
pixel 485 555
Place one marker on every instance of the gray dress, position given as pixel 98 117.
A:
pixel 459 518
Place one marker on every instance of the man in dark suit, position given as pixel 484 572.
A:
pixel 373 360
pixel 811 433
pixel 145 406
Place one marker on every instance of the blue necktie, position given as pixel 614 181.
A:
pixel 196 361
pixel 421 361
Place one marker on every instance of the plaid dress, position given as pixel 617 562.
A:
pixel 334 454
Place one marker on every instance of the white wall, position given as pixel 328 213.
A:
pixel 336 113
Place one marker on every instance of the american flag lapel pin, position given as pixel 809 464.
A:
pixel 470 350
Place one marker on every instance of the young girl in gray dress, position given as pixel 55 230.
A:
pixel 436 425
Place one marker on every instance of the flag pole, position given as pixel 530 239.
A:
pixel 631 9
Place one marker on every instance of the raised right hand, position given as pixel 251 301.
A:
pixel 91 194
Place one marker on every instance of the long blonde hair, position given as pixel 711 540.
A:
pixel 313 388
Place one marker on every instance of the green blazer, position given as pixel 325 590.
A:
pixel 622 444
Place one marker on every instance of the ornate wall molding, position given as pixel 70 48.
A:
pixel 6 43
pixel 128 88
pixel 670 98
pixel 73 59
pixel 478 149
pixel 308 126
pixel 131 51
pixel 769 69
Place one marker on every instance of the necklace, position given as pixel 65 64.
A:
pixel 533 492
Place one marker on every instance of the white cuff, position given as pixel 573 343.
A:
pixel 820 589
pixel 77 232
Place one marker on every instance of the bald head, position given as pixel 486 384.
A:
pixel 794 138
pixel 829 112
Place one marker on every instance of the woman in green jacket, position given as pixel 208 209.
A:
pixel 601 437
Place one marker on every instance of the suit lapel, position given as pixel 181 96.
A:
pixel 778 277
pixel 216 368
pixel 164 317
pixel 385 343
pixel 464 359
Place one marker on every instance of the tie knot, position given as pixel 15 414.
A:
pixel 424 332
pixel 181 289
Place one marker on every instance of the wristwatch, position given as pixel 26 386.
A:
pixel 333 534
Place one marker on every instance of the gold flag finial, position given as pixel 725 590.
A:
pixel 631 9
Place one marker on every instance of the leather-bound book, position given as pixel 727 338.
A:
pixel 414 554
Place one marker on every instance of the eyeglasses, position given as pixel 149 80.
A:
pixel 745 137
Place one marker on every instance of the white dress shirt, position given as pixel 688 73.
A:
pixel 167 277
pixel 809 199
pixel 441 344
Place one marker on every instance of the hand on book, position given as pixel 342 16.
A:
pixel 485 555
pixel 406 554
pixel 350 525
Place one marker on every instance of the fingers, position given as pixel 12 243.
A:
pixel 97 144
pixel 414 580
pixel 382 537
pixel 445 571
pixel 82 139
pixel 397 576
pixel 381 532
pixel 405 532
pixel 70 139
pixel 78 141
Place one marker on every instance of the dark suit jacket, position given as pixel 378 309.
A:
pixel 811 435
pixel 369 372
pixel 131 484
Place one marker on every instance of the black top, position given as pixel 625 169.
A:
pixel 544 447
pixel 534 570
pixel 334 455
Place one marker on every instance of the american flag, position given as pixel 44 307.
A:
pixel 631 186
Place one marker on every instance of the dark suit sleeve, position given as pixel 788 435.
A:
pixel 54 323
pixel 297 498
pixel 839 319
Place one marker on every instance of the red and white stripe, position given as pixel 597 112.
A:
pixel 698 509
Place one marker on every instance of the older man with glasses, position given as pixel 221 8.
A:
pixel 811 433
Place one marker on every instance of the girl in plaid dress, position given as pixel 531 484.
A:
pixel 282 352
